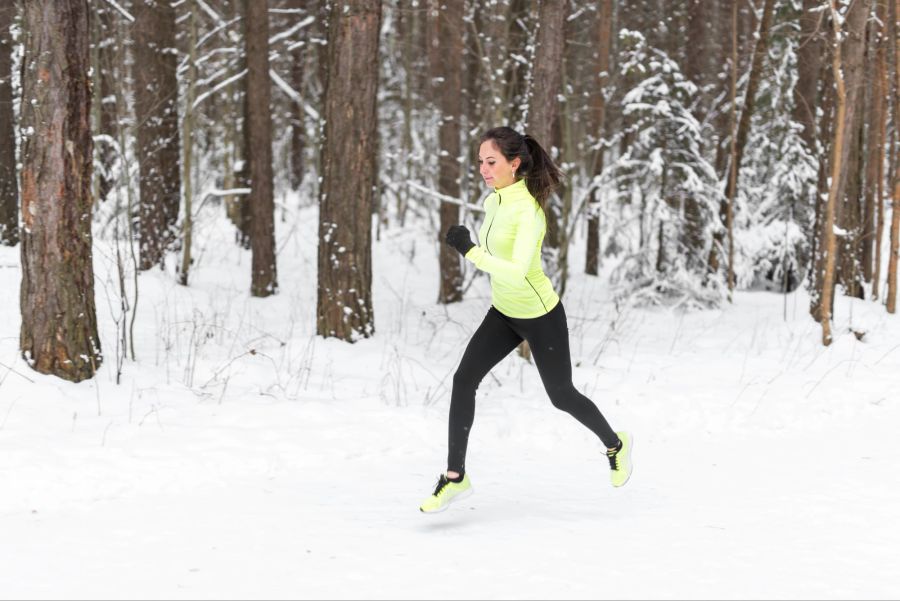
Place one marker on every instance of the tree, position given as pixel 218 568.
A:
pixel 59 323
pixel 543 107
pixel 839 153
pixel 809 60
pixel 188 139
pixel 450 25
pixel 298 118
pixel 9 190
pixel 895 213
pixel 849 32
pixel 661 167
pixel 849 209
pixel 604 39
pixel 876 115
pixel 344 304
pixel 158 145
pixel 264 280
pixel 105 107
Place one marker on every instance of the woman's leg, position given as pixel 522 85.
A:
pixel 492 341
pixel 548 337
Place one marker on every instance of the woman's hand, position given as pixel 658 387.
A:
pixel 459 238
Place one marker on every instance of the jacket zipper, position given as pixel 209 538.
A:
pixel 488 234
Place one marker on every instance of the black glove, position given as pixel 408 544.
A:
pixel 459 238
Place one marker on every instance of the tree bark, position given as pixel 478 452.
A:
pixel 544 106
pixel 59 323
pixel 809 61
pixel 9 189
pixel 604 39
pixel 107 111
pixel 188 139
pixel 344 307
pixel 546 78
pixel 811 54
pixel 881 88
pixel 874 139
pixel 298 117
pixel 450 40
pixel 826 136
pixel 829 245
pixel 848 210
pixel 158 144
pixel 264 280
pixel 895 213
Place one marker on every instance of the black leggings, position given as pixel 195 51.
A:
pixel 548 337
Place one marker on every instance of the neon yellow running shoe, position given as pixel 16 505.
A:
pixel 620 460
pixel 446 492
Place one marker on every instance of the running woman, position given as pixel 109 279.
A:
pixel 524 305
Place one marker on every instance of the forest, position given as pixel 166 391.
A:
pixel 233 329
pixel 708 146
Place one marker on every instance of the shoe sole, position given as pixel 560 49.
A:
pixel 463 495
pixel 627 458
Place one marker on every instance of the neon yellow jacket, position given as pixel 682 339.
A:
pixel 510 251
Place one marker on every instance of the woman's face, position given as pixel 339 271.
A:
pixel 495 169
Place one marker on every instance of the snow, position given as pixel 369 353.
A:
pixel 243 457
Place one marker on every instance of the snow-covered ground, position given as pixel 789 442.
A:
pixel 243 457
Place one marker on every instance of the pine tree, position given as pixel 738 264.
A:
pixel 660 169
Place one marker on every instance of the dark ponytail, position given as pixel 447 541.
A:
pixel 536 167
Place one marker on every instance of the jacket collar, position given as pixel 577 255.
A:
pixel 514 190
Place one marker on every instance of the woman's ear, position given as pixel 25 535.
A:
pixel 515 164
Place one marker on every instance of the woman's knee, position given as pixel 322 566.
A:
pixel 465 379
pixel 564 398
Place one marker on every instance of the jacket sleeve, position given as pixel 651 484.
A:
pixel 529 230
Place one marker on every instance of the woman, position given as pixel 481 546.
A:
pixel 524 305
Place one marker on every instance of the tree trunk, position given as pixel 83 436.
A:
pixel 158 145
pixel 809 61
pixel 450 26
pixel 9 190
pixel 604 38
pixel 188 139
pixel 543 105
pixel 811 54
pixel 59 322
pixel 880 89
pixel 298 117
pixel 895 212
pixel 264 280
pixel 242 176
pixel 875 115
pixel 106 80
pixel 520 24
pixel 344 307
pixel 697 71
pixel 546 79
pixel 826 130
pixel 838 153
pixel 847 208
